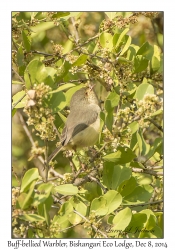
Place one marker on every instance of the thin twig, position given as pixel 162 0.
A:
pixel 41 163
pixel 83 217
pixel 18 75
pixel 147 171
pixel 41 53
pixel 95 180
pixel 155 167
pixel 55 173
pixel 65 229
pixel 144 204
pixel 94 227
pixel 14 105
pixel 155 124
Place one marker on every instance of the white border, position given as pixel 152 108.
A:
pixel 5 96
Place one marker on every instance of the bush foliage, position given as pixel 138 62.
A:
pixel 115 189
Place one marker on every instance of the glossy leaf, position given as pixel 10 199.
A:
pixel 20 95
pixel 121 156
pixel 31 217
pixel 80 207
pixel 57 102
pixel 29 177
pixel 140 64
pixel 66 189
pixel 143 146
pixel 134 126
pixel 35 73
pixel 146 50
pixel 114 200
pixel 137 222
pixel 106 40
pixel 114 175
pixel 106 204
pixel 126 45
pixel 117 39
pixel 99 206
pixel 139 195
pixel 144 89
pixel 157 143
pixel 25 200
pixel 63 87
pixel 155 64
pixel 127 186
pixel 122 219
pixel 81 60
pixel 92 191
pixel 42 194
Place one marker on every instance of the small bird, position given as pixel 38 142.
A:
pixel 83 123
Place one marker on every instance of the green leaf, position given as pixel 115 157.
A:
pixel 66 189
pixel 109 120
pixel 65 67
pixel 117 39
pixel 80 207
pixel 63 118
pixel 114 200
pixel 35 73
pixel 106 40
pixel 114 175
pixel 13 111
pixel 143 146
pixel 139 195
pixel 25 200
pixel 127 186
pixel 146 50
pixel 20 57
pixel 29 177
pixel 92 191
pixel 122 219
pixel 136 164
pixel 140 64
pixel 44 192
pixel 121 156
pixel 57 102
pixel 137 222
pixel 157 143
pixel 26 40
pixel 155 64
pixel 132 51
pixel 44 208
pixel 51 76
pixel 142 90
pixel 111 15
pixel 106 204
pixel 126 46
pixel 17 97
pixel 112 101
pixel 158 112
pixel 42 26
pixel 60 14
pixel 31 217
pixel 134 126
pixel 63 87
pixel 81 60
pixel 99 206
pixel 16 82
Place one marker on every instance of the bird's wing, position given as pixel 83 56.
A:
pixel 76 123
